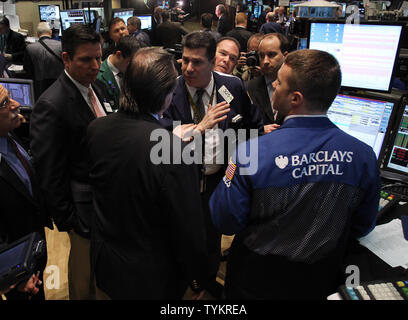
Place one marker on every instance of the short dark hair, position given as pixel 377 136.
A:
pixel 135 21
pixel 115 21
pixel 284 42
pixel 198 39
pixel 148 80
pixel 207 20
pixel 4 21
pixel 128 45
pixel 165 15
pixel 230 39
pixel 76 35
pixel 317 75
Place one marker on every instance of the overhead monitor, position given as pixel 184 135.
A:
pixel 86 13
pixel 257 11
pixel 70 17
pixel 49 12
pixel 163 4
pixel 364 118
pixel 21 90
pixel 396 160
pixel 124 14
pixel 146 21
pixel 367 52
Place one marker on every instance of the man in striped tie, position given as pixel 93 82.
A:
pixel 58 126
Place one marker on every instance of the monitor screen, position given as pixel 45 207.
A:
pixel 366 52
pixel 257 11
pixel 364 118
pixel 13 257
pixel 86 13
pixel 124 14
pixel 69 17
pixel 49 12
pixel 163 4
pixel 146 21
pixel 397 159
pixel 21 90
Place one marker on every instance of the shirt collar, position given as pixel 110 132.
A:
pixel 305 116
pixel 207 89
pixel 267 81
pixel 114 70
pixel 81 88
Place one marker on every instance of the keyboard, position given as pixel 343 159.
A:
pixel 387 202
pixel 376 290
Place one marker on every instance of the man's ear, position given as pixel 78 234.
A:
pixel 66 58
pixel 297 98
pixel 285 53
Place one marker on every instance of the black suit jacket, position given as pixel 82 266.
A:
pixel 58 127
pixel 168 34
pixel 148 235
pixel 15 45
pixel 20 212
pixel 242 35
pixel 258 92
pixel 223 25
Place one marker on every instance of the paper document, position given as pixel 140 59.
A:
pixel 16 67
pixel 388 243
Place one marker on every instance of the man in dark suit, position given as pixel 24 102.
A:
pixel 21 207
pixel 12 44
pixel 200 98
pixel 272 50
pixel 240 31
pixel 148 242
pixel 114 67
pixel 271 26
pixel 224 24
pixel 43 60
pixel 117 29
pixel 58 126
pixel 169 33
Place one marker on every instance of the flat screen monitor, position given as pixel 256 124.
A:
pixel 70 17
pixel 86 13
pixel 366 52
pixel 163 4
pixel 257 11
pixel 364 118
pixel 396 160
pixel 49 12
pixel 124 14
pixel 146 21
pixel 21 90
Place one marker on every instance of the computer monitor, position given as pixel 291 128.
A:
pixel 21 90
pixel 86 14
pixel 367 52
pixel 257 11
pixel 364 118
pixel 146 21
pixel 163 4
pixel 124 14
pixel 70 17
pixel 49 12
pixel 395 164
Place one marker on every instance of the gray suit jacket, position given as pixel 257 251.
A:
pixel 40 63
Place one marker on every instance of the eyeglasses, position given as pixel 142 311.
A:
pixel 5 103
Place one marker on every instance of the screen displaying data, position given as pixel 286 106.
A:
pixel 146 22
pixel 364 118
pixel 51 12
pixel 70 17
pixel 124 15
pixel 366 53
pixel 21 92
pixel 398 159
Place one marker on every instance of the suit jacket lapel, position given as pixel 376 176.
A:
pixel 10 176
pixel 107 74
pixel 263 94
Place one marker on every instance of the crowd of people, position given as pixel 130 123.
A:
pixel 141 229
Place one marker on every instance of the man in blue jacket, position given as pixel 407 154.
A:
pixel 214 103
pixel 307 190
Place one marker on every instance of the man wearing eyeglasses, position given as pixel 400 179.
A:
pixel 20 203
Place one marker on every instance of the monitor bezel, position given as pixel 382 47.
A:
pixel 47 5
pixel 68 10
pixel 391 122
pixel 387 172
pixel 380 23
pixel 23 81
